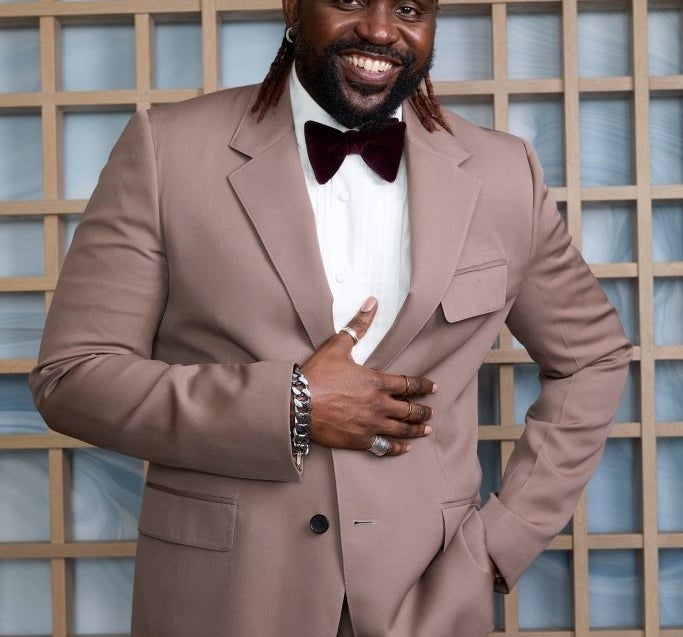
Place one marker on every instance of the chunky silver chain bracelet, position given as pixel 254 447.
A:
pixel 301 427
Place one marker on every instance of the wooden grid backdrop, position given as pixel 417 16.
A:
pixel 51 102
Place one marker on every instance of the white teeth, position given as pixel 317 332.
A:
pixel 375 66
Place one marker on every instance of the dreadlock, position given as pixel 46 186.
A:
pixel 426 105
pixel 274 83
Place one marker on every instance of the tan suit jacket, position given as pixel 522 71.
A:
pixel 195 282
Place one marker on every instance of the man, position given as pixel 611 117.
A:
pixel 201 323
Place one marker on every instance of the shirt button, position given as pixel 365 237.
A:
pixel 339 277
pixel 319 524
pixel 343 196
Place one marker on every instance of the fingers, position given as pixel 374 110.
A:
pixel 412 425
pixel 359 324
pixel 394 448
pixel 411 412
pixel 405 386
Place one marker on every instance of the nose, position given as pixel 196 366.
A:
pixel 377 24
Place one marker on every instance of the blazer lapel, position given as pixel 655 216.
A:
pixel 273 191
pixel 441 203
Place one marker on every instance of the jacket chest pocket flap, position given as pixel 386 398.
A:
pixel 188 518
pixel 475 291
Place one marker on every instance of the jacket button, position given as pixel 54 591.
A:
pixel 319 524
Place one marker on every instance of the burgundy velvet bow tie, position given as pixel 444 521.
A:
pixel 380 148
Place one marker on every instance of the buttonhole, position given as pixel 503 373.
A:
pixel 366 522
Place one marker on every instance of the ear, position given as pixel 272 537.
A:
pixel 290 11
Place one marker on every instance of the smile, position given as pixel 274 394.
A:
pixel 368 64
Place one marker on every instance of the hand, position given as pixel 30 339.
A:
pixel 352 404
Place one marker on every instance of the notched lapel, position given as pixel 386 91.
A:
pixel 442 197
pixel 273 191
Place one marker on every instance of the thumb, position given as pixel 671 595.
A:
pixel 360 323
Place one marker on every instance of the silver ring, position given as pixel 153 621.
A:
pixel 380 446
pixel 289 35
pixel 351 332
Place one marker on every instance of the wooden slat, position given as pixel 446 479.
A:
pixel 67 550
pixel 646 316
pixel 49 440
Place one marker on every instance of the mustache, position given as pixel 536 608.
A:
pixel 407 59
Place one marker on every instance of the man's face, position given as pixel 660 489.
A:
pixel 360 59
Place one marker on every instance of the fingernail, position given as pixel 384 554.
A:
pixel 369 304
pixel 435 388
pixel 428 430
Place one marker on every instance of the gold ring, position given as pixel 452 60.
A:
pixel 407 389
pixel 410 411
pixel 351 332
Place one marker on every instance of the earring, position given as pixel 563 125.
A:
pixel 289 35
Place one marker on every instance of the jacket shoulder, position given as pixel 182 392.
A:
pixel 226 107
pixel 480 140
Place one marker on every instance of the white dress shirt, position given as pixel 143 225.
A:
pixel 363 229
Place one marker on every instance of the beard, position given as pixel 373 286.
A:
pixel 322 78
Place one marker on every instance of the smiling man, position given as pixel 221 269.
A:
pixel 281 296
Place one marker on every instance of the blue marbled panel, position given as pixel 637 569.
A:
pixel 604 43
pixel 534 45
pixel 615 586
pixel 17 412
pixel 21 156
pixel 541 122
pixel 669 391
pixel 527 389
pixel 489 459
pixel 19 59
pixel 667 231
pixel 666 140
pixel 21 246
pixel 545 593
pixel 607 232
pixel 671 588
pixel 669 481
pixel 24 488
pixel 668 309
pixel 629 406
pixel 477 112
pixel 463 48
pixel 88 139
pixel 177 55
pixel 102 594
pixel 106 489
pixel 260 39
pixel 665 45
pixel 623 294
pixel 606 132
pixel 25 604
pixel 614 492
pixel 488 395
pixel 22 317
pixel 98 57
pixel 70 224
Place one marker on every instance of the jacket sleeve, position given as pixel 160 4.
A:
pixel 96 377
pixel 572 332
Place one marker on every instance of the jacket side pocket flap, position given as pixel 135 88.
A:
pixel 475 292
pixel 189 519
